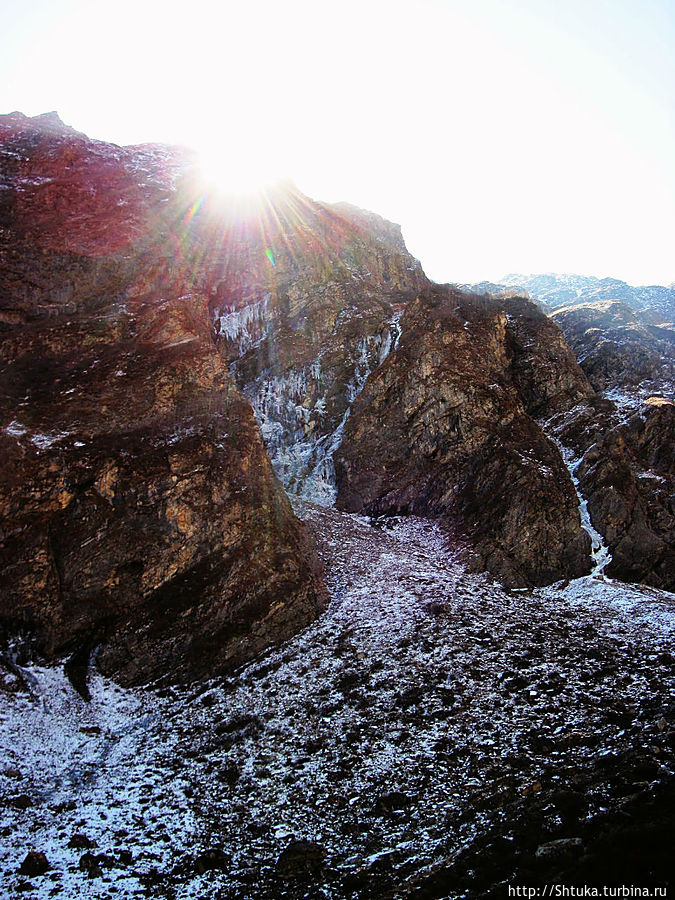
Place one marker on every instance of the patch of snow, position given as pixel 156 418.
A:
pixel 44 441
pixel 16 429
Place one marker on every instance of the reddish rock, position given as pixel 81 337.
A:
pixel 140 514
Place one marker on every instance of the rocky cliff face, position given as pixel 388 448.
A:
pixel 309 307
pixel 444 428
pixel 617 350
pixel 624 446
pixel 140 514
pixel 625 470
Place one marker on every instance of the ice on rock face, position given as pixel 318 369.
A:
pixel 599 549
pixel 300 431
pixel 246 326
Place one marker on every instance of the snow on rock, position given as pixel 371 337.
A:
pixel 292 411
pixel 245 326
pixel 599 550
pixel 403 727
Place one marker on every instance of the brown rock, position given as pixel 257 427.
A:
pixel 139 510
pixel 442 428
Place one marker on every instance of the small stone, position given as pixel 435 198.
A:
pixel 558 849
pixel 81 842
pixel 662 724
pixel 89 864
pixel 300 859
pixel 213 858
pixel 35 863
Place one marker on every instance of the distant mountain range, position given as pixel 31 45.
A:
pixel 654 303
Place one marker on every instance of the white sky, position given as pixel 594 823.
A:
pixel 503 135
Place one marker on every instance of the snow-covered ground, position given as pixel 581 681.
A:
pixel 394 732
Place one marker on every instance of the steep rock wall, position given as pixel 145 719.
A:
pixel 140 514
pixel 309 307
pixel 443 428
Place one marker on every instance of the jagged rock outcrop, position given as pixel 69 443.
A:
pixel 627 474
pixel 140 514
pixel 443 428
pixel 308 307
pixel 616 350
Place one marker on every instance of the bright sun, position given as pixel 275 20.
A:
pixel 241 172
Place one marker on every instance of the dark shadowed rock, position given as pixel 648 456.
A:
pixel 628 478
pixel 212 859
pixel 81 842
pixel 443 428
pixel 35 863
pixel 300 859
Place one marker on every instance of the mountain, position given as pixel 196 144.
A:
pixel 655 304
pixel 618 352
pixel 319 579
pixel 141 518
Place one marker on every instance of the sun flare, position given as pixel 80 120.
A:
pixel 242 174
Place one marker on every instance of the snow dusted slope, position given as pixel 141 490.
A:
pixel 430 732
pixel 554 290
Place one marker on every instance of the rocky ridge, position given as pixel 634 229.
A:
pixel 654 304
pixel 617 351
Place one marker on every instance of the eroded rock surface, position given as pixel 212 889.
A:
pixel 140 514
pixel 444 428
pixel 618 350
pixel 626 472
pixel 308 308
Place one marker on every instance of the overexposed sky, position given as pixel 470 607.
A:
pixel 503 135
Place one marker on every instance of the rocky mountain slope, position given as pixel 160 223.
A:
pixel 140 515
pixel 617 351
pixel 655 304
pixel 309 307
pixel 445 427
pixel 174 365
pixel 623 461
pixel 431 735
